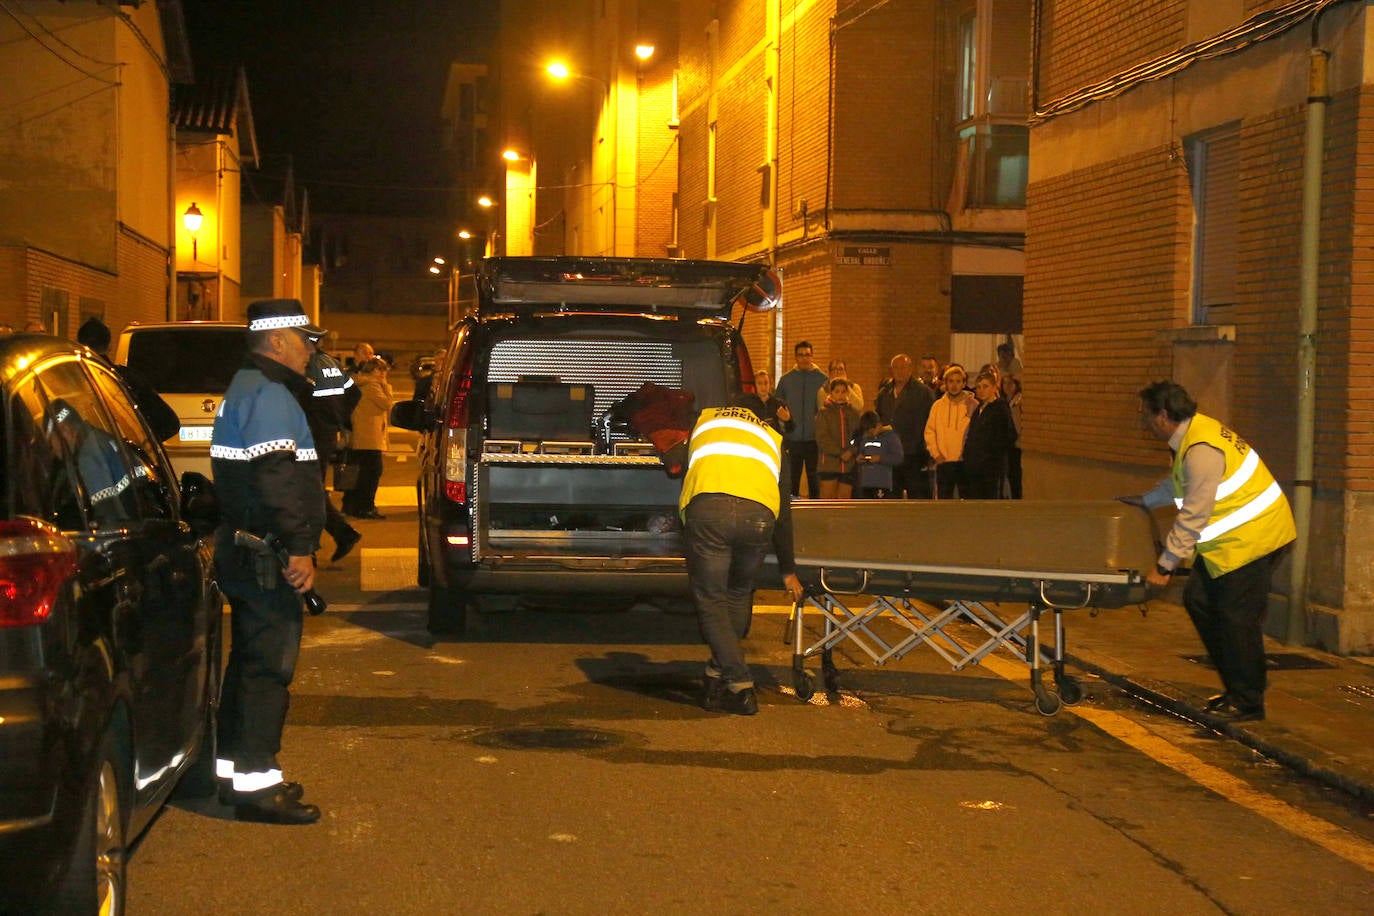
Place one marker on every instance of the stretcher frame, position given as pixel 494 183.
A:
pixel 897 590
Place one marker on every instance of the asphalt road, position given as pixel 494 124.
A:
pixel 556 762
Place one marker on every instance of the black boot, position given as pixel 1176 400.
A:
pixel 227 796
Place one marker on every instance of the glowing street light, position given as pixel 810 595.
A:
pixel 485 202
pixel 644 51
pixel 192 219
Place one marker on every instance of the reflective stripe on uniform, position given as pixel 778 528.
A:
pixel 230 453
pixel 256 782
pixel 1238 479
pixel 1245 513
pixel 736 450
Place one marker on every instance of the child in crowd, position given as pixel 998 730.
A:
pixel 880 450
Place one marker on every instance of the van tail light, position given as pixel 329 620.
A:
pixel 35 563
pixel 456 431
pixel 746 370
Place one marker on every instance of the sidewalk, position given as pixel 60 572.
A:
pixel 1319 707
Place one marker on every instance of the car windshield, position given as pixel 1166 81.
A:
pixel 190 360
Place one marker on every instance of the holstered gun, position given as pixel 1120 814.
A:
pixel 270 559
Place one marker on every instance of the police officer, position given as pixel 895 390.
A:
pixel 729 503
pixel 328 411
pixel 1234 516
pixel 268 481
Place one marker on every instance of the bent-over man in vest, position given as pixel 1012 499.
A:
pixel 267 477
pixel 1234 517
pixel 729 503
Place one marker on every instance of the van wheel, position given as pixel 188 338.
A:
pixel 95 879
pixel 448 612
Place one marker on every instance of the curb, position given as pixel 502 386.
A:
pixel 1298 761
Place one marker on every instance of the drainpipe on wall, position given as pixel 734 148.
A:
pixel 1317 98
pixel 770 218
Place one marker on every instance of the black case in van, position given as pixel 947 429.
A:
pixel 539 410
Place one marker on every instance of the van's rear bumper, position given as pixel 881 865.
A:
pixel 596 577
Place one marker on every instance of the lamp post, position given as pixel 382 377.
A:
pixel 192 220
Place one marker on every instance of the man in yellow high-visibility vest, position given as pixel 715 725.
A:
pixel 1234 516
pixel 730 501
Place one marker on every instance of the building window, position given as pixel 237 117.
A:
pixel 1214 170
pixel 968 66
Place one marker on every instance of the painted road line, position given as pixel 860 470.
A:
pixel 1330 837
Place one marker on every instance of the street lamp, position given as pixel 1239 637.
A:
pixel 192 220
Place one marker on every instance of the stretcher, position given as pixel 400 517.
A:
pixel 934 568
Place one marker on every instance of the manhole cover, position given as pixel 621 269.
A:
pixel 527 738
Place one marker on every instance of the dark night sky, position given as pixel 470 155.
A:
pixel 349 90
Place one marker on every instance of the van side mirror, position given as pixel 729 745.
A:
pixel 199 505
pixel 413 415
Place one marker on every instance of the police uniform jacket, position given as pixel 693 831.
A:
pixel 332 400
pixel 262 453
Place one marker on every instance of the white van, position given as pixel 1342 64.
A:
pixel 189 363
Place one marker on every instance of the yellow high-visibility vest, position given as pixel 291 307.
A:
pixel 732 451
pixel 1250 517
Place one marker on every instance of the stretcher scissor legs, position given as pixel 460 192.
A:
pixel 1020 638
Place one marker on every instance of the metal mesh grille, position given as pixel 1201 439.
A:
pixel 614 368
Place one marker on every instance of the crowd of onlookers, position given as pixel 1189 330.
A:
pixel 931 431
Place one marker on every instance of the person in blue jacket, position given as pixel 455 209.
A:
pixel 268 481
pixel 880 450
pixel 799 388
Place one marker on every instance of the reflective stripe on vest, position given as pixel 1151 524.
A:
pixel 731 451
pixel 1250 517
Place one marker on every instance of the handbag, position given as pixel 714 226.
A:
pixel 345 471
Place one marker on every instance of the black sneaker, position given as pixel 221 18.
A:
pixel 711 689
pixel 739 703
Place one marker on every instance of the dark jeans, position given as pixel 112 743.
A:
pixel 949 477
pixel 910 479
pixel 727 538
pixel 1228 612
pixel 803 455
pixel 363 497
pixel 265 638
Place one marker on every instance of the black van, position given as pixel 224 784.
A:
pixel 527 485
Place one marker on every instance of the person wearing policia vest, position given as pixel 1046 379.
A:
pixel 730 500
pixel 1234 517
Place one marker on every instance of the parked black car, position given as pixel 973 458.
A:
pixel 527 485
pixel 109 629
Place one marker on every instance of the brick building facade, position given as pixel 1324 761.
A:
pixel 1164 223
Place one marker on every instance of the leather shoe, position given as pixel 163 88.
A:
pixel 227 796
pixel 273 806
pixel 739 703
pixel 374 514
pixel 1229 712
pixel 344 544
pixel 1216 701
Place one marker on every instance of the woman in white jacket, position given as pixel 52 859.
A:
pixel 945 431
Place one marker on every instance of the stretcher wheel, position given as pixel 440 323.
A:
pixel 1070 691
pixel 1047 702
pixel 804 685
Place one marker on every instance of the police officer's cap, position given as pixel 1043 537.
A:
pixel 270 314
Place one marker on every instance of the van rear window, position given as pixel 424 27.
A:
pixel 190 360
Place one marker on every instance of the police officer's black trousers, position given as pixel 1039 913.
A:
pixel 265 634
